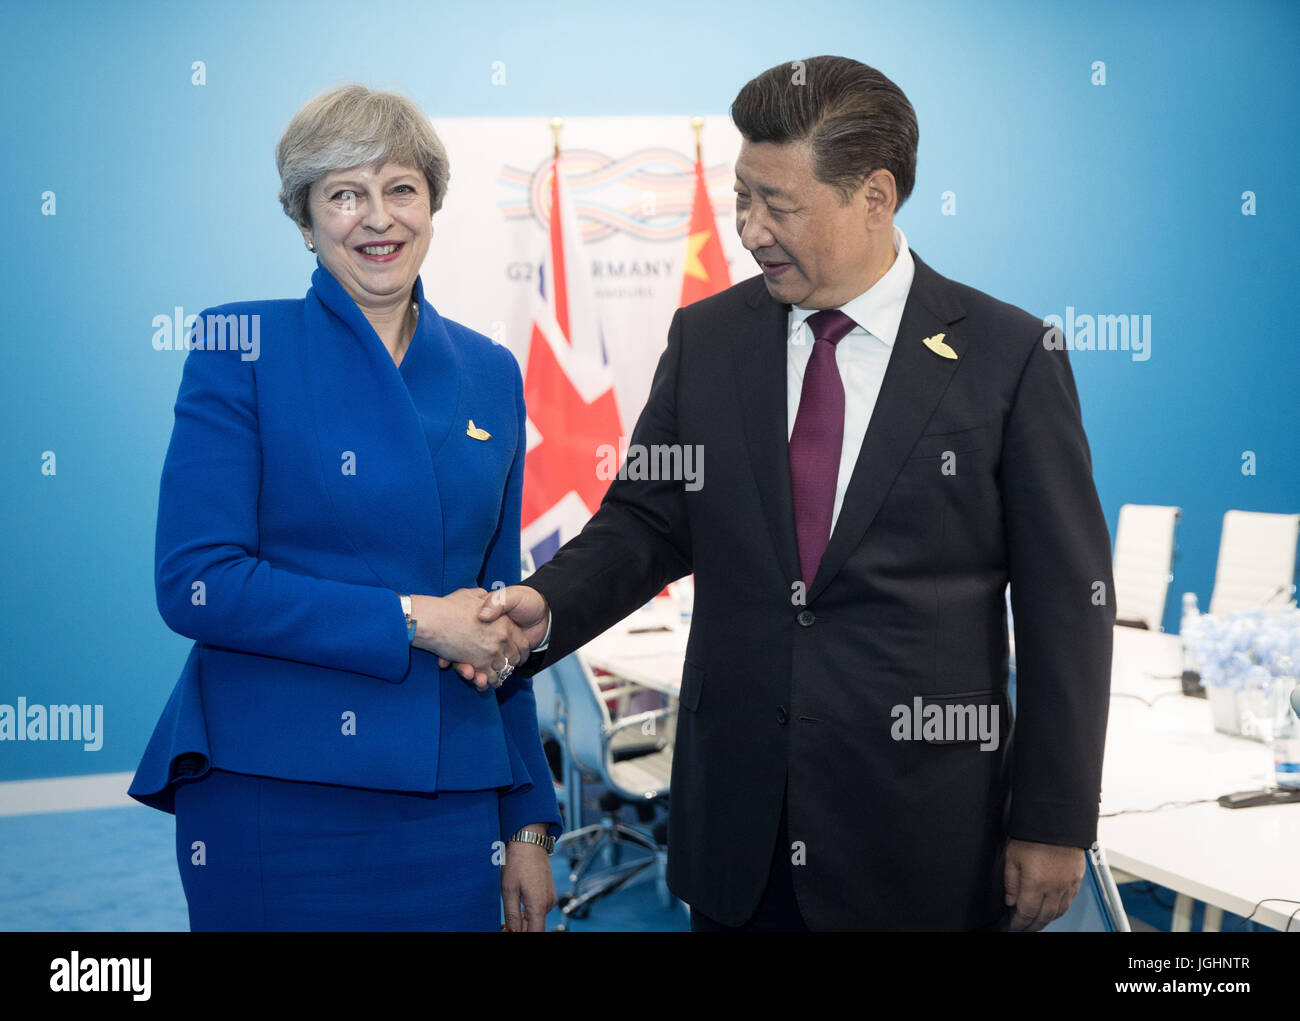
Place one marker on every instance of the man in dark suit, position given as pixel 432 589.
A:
pixel 886 450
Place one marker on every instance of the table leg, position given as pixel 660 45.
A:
pixel 1182 920
pixel 1213 919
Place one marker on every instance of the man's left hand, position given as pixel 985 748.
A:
pixel 1041 881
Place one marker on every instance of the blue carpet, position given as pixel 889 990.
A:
pixel 114 870
pixel 107 869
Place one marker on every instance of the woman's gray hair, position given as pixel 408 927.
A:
pixel 353 126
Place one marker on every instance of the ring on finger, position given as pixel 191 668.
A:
pixel 504 672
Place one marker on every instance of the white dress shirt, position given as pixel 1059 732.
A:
pixel 861 356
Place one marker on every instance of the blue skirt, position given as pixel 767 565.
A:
pixel 257 853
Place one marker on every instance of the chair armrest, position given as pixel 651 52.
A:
pixel 640 719
pixel 618 690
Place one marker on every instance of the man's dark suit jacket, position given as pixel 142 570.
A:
pixel 974 471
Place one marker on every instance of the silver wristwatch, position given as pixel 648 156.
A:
pixel 410 621
pixel 546 843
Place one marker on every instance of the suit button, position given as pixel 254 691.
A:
pixel 781 715
pixel 806 618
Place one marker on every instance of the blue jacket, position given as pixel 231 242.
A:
pixel 303 489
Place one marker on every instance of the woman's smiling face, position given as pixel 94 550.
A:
pixel 371 228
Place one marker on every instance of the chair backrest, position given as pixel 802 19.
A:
pixel 1144 554
pixel 587 718
pixel 1256 561
pixel 550 708
pixel 1097 906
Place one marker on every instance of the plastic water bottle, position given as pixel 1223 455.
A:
pixel 1191 671
pixel 1286 735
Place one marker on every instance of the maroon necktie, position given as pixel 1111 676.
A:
pixel 816 440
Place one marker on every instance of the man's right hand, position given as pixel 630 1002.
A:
pixel 518 606
pixel 525 606
pixel 450 626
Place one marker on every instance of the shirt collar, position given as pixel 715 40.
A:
pixel 878 309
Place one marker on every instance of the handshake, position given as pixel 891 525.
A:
pixel 482 635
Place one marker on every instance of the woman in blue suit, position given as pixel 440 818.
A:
pixel 342 487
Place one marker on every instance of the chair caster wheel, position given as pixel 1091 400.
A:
pixel 563 905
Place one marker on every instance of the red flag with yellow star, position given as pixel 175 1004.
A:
pixel 705 272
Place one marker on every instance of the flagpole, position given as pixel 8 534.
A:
pixel 559 268
pixel 697 123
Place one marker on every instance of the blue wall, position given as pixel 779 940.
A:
pixel 1115 199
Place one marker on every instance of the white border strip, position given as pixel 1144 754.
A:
pixel 65 794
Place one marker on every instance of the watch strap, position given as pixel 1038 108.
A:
pixel 406 614
pixel 544 841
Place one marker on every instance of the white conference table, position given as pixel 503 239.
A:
pixel 647 648
pixel 1161 748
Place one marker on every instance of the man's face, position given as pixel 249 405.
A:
pixel 813 248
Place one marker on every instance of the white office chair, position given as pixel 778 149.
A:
pixel 1256 561
pixel 550 722
pixel 1144 551
pixel 591 739
pixel 1097 906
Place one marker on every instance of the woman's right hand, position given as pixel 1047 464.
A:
pixel 449 627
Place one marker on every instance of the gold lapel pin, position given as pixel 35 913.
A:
pixel 475 433
pixel 937 345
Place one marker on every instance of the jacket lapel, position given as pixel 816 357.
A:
pixel 390 506
pixel 432 365
pixel 914 383
pixel 760 357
